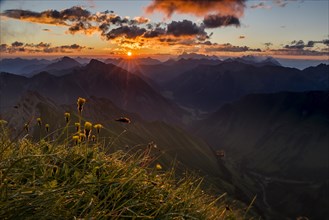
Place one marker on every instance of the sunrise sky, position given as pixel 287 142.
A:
pixel 279 28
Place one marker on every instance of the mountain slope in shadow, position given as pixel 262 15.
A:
pixel 127 91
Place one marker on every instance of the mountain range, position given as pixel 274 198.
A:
pixel 251 126
pixel 127 91
pixel 207 87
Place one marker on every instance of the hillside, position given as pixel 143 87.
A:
pixel 172 142
pixel 79 178
pixel 125 90
pixel 280 143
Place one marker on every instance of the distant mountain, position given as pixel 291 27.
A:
pixel 196 56
pixel 166 71
pixel 61 67
pixel 22 66
pixel 207 87
pixel 82 60
pixel 63 63
pixel 279 145
pixel 256 61
pixel 128 91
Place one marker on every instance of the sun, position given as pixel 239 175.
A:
pixel 129 53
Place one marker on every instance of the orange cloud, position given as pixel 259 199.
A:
pixel 198 7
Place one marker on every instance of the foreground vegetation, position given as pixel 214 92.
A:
pixel 76 179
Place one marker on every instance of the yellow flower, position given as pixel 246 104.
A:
pixel 39 122
pixel 77 126
pixel 81 102
pixel 98 127
pixel 88 126
pixel 93 138
pixel 158 166
pixel 47 127
pixel 67 117
pixel 82 136
pixel 76 139
pixel 3 122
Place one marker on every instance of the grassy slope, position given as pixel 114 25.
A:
pixel 49 180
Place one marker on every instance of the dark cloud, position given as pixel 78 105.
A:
pixel 230 48
pixel 3 47
pixel 186 28
pixel 214 21
pixel 295 45
pixel 280 3
pixel 299 45
pixel 39 48
pixel 326 42
pixel 55 17
pixel 260 5
pixel 300 48
pixel 156 32
pixel 300 52
pixel 198 7
pixel 112 26
pixel 268 45
pixel 17 44
pixel 129 32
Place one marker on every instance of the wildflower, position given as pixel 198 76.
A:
pixel 88 126
pixel 81 102
pixel 67 117
pixel 123 120
pixel 77 126
pixel 47 127
pixel 39 122
pixel 158 166
pixel 3 122
pixel 76 139
pixel 82 136
pixel 93 138
pixel 98 127
pixel 26 127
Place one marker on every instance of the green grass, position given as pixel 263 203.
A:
pixel 65 178
pixel 49 180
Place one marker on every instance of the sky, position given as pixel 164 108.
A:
pixel 294 29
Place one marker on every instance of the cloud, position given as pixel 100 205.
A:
pixel 3 47
pixel 156 32
pixel 186 28
pixel 39 48
pixel 280 3
pixel 230 48
pixel 301 45
pixel 300 48
pixel 17 44
pixel 214 21
pixel 260 5
pixel 300 52
pixel 119 30
pixel 198 7
pixel 242 37
pixel 130 32
pixel 54 17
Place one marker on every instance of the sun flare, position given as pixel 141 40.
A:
pixel 129 54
